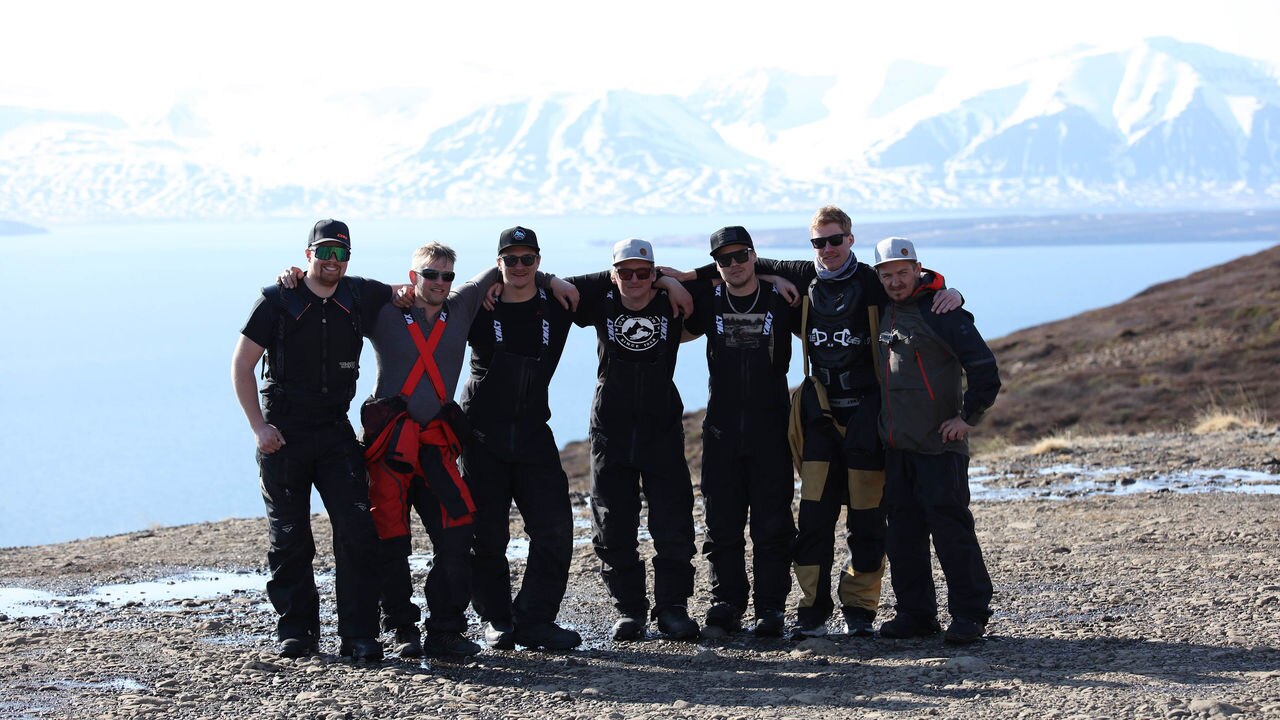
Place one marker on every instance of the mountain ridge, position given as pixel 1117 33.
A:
pixel 1161 124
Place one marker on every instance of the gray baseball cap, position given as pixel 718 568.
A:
pixel 894 248
pixel 632 249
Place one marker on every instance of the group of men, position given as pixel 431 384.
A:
pixel 879 426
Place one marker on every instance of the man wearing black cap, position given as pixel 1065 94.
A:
pixel 311 335
pixel 940 378
pixel 513 455
pixel 637 441
pixel 746 465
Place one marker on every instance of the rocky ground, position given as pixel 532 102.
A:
pixel 1153 604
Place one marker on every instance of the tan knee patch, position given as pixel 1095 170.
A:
pixel 807 579
pixel 813 479
pixel 866 489
pixel 861 589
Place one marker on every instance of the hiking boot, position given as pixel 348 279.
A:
pixel 297 647
pixel 449 644
pixel 963 631
pixel 724 617
pixel 547 636
pixel 857 622
pixel 769 623
pixel 498 635
pixel 628 628
pixel 809 629
pixel 905 626
pixel 361 649
pixel 408 642
pixel 675 623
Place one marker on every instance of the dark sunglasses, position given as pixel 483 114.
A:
pixel 637 273
pixel 513 260
pixel 432 274
pixel 832 240
pixel 331 252
pixel 724 260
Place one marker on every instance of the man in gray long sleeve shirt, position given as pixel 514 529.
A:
pixel 445 318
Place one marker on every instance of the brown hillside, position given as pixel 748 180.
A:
pixel 1154 361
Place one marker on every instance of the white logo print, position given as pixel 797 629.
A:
pixel 635 333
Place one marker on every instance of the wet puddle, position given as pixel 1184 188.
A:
pixel 1078 482
pixel 198 585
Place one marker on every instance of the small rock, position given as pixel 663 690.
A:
pixel 705 656
pixel 1059 550
pixel 818 646
pixel 967 663
pixel 1212 708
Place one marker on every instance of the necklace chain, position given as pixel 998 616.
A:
pixel 754 299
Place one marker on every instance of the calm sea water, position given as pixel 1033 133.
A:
pixel 116 409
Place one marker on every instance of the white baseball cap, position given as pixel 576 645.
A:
pixel 894 248
pixel 632 249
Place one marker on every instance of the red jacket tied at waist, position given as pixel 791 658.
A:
pixel 395 457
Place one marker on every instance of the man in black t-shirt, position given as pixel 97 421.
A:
pixel 637 441
pixel 311 336
pixel 513 455
pixel 746 464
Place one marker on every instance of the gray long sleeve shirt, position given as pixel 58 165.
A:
pixel 397 352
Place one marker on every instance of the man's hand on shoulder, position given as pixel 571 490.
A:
pixel 290 277
pixel 678 275
pixel 681 300
pixel 402 296
pixel 944 301
pixel 491 296
pixel 786 289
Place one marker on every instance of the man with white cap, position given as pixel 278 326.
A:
pixel 637 441
pixel 939 379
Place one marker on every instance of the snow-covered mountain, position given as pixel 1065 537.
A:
pixel 1163 124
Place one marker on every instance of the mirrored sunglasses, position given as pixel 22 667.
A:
pixel 331 252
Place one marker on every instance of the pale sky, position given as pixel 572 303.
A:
pixel 135 58
pixel 328 91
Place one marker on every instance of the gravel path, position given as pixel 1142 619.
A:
pixel 1151 604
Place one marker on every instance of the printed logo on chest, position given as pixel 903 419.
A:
pixel 638 333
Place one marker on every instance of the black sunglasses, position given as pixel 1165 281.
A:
pixel 525 260
pixel 724 260
pixel 832 240
pixel 638 273
pixel 432 274
pixel 331 252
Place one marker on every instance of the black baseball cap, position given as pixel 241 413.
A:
pixel 518 236
pixel 330 230
pixel 732 235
